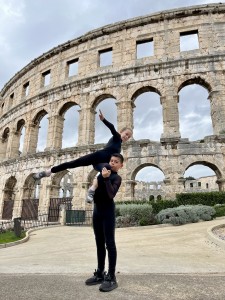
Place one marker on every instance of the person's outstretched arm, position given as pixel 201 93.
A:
pixel 107 123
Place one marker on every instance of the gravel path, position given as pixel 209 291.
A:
pixel 220 232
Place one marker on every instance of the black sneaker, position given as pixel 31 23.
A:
pixel 96 279
pixel 108 284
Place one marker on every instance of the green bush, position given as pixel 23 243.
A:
pixel 220 210
pixel 209 199
pixel 163 204
pixel 185 214
pixel 134 215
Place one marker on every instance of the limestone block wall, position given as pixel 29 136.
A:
pixel 25 99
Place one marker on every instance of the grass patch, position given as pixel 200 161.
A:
pixel 9 236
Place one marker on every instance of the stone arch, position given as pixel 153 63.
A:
pixel 36 125
pixel 101 98
pixel 61 124
pixel 66 106
pixel 17 137
pixel 195 115
pixel 30 199
pixel 213 166
pixel 37 118
pixel 55 184
pixel 5 134
pixel 20 125
pixel 196 80
pixel 4 143
pixel 146 103
pixel 141 166
pixel 29 187
pixel 134 173
pixel 142 90
pixel 208 164
pixel 108 104
pixel 8 197
pixel 10 186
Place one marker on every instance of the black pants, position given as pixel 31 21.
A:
pixel 96 159
pixel 104 230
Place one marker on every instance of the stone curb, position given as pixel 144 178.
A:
pixel 213 238
pixel 26 238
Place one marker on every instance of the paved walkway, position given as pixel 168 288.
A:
pixel 173 262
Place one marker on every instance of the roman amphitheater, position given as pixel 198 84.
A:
pixel 26 99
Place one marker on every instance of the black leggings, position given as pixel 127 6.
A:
pixel 104 230
pixel 96 159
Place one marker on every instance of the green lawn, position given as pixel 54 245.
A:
pixel 10 236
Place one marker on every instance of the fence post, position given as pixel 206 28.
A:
pixel 17 226
pixel 62 214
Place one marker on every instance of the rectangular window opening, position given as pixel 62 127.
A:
pixel 105 57
pixel 145 48
pixel 26 88
pixel 72 67
pixel 46 77
pixel 189 40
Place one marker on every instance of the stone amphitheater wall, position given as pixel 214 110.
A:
pixel 25 100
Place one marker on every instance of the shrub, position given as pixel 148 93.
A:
pixel 134 214
pixel 185 214
pixel 163 204
pixel 220 210
pixel 209 199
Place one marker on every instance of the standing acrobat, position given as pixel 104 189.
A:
pixel 104 225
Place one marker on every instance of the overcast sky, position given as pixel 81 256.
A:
pixel 29 28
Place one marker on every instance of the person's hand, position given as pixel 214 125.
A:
pixel 101 115
pixel 105 173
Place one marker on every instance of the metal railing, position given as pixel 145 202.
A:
pixel 79 217
pixel 41 221
pixel 6 225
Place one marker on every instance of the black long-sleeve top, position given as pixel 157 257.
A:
pixel 114 143
pixel 107 188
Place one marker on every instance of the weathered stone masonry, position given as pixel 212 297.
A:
pixel 166 73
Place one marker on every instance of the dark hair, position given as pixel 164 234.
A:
pixel 118 155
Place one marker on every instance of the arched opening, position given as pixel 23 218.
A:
pixel 21 134
pixel 70 113
pixel 108 107
pixel 194 110
pixel 30 202
pixel 148 121
pixel 201 177
pixel 148 182
pixel 8 198
pixel 4 143
pixel 40 131
pixel 42 134
pixel 61 186
pixel 66 187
